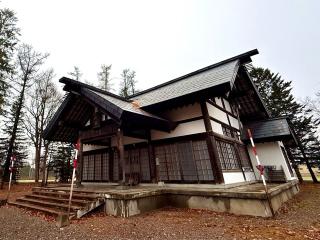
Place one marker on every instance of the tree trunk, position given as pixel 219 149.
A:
pixel 313 176
pixel 37 165
pixel 294 165
pixel 44 165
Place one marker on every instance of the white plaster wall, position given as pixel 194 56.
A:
pixel 269 154
pixel 185 112
pixel 250 176
pixel 233 177
pixel 183 129
pixel 90 147
pixel 126 140
pixel 234 122
pixel 216 127
pixel 217 113
pixel 218 101
pixel 227 105
pixel 130 140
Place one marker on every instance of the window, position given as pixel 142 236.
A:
pixel 202 160
pixel 227 155
pixel 227 131
pixel 137 162
pixel 105 166
pixel 145 167
pixel 184 161
pixel 169 166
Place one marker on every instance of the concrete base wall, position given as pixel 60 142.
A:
pixel 242 204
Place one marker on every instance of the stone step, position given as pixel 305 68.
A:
pixel 51 211
pixel 75 190
pixel 57 199
pixel 66 194
pixel 48 204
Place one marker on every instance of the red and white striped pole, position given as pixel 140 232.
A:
pixel 77 147
pixel 13 159
pixel 261 169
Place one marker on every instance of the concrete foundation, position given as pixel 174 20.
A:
pixel 242 200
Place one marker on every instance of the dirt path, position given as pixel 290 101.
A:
pixel 298 219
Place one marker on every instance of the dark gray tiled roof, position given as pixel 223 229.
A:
pixel 270 128
pixel 124 105
pixel 189 84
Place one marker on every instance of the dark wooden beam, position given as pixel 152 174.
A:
pixel 152 160
pixel 212 146
pixel 79 165
pixel 121 153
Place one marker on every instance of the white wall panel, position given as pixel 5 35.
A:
pixel 90 147
pixel 233 177
pixel 181 130
pixel 217 113
pixel 234 122
pixel 269 154
pixel 185 112
pixel 218 101
pixel 216 127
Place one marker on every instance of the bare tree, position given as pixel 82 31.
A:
pixel 104 77
pixel 128 83
pixel 43 102
pixel 27 66
pixel 76 74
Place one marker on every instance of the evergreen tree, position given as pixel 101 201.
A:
pixel 8 39
pixel 277 94
pixel 62 161
pixel 20 147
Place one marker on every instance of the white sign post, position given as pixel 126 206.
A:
pixel 73 176
pixel 261 169
pixel 13 159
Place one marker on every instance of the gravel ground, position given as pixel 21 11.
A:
pixel 298 219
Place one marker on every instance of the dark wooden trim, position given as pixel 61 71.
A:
pixel 152 161
pixel 121 153
pixel 212 146
pixel 221 108
pixel 189 120
pixel 206 117
pixel 226 138
pixel 239 160
pixel 79 165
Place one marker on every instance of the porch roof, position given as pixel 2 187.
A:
pixel 274 129
pixel 78 106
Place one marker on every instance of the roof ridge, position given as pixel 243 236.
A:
pixel 244 56
pixel 67 81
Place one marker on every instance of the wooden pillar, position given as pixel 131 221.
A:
pixel 79 165
pixel 121 153
pixel 212 146
pixel 152 161
pixel 294 165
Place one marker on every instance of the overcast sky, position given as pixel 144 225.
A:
pixel 162 40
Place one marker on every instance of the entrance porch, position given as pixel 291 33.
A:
pixel 239 199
